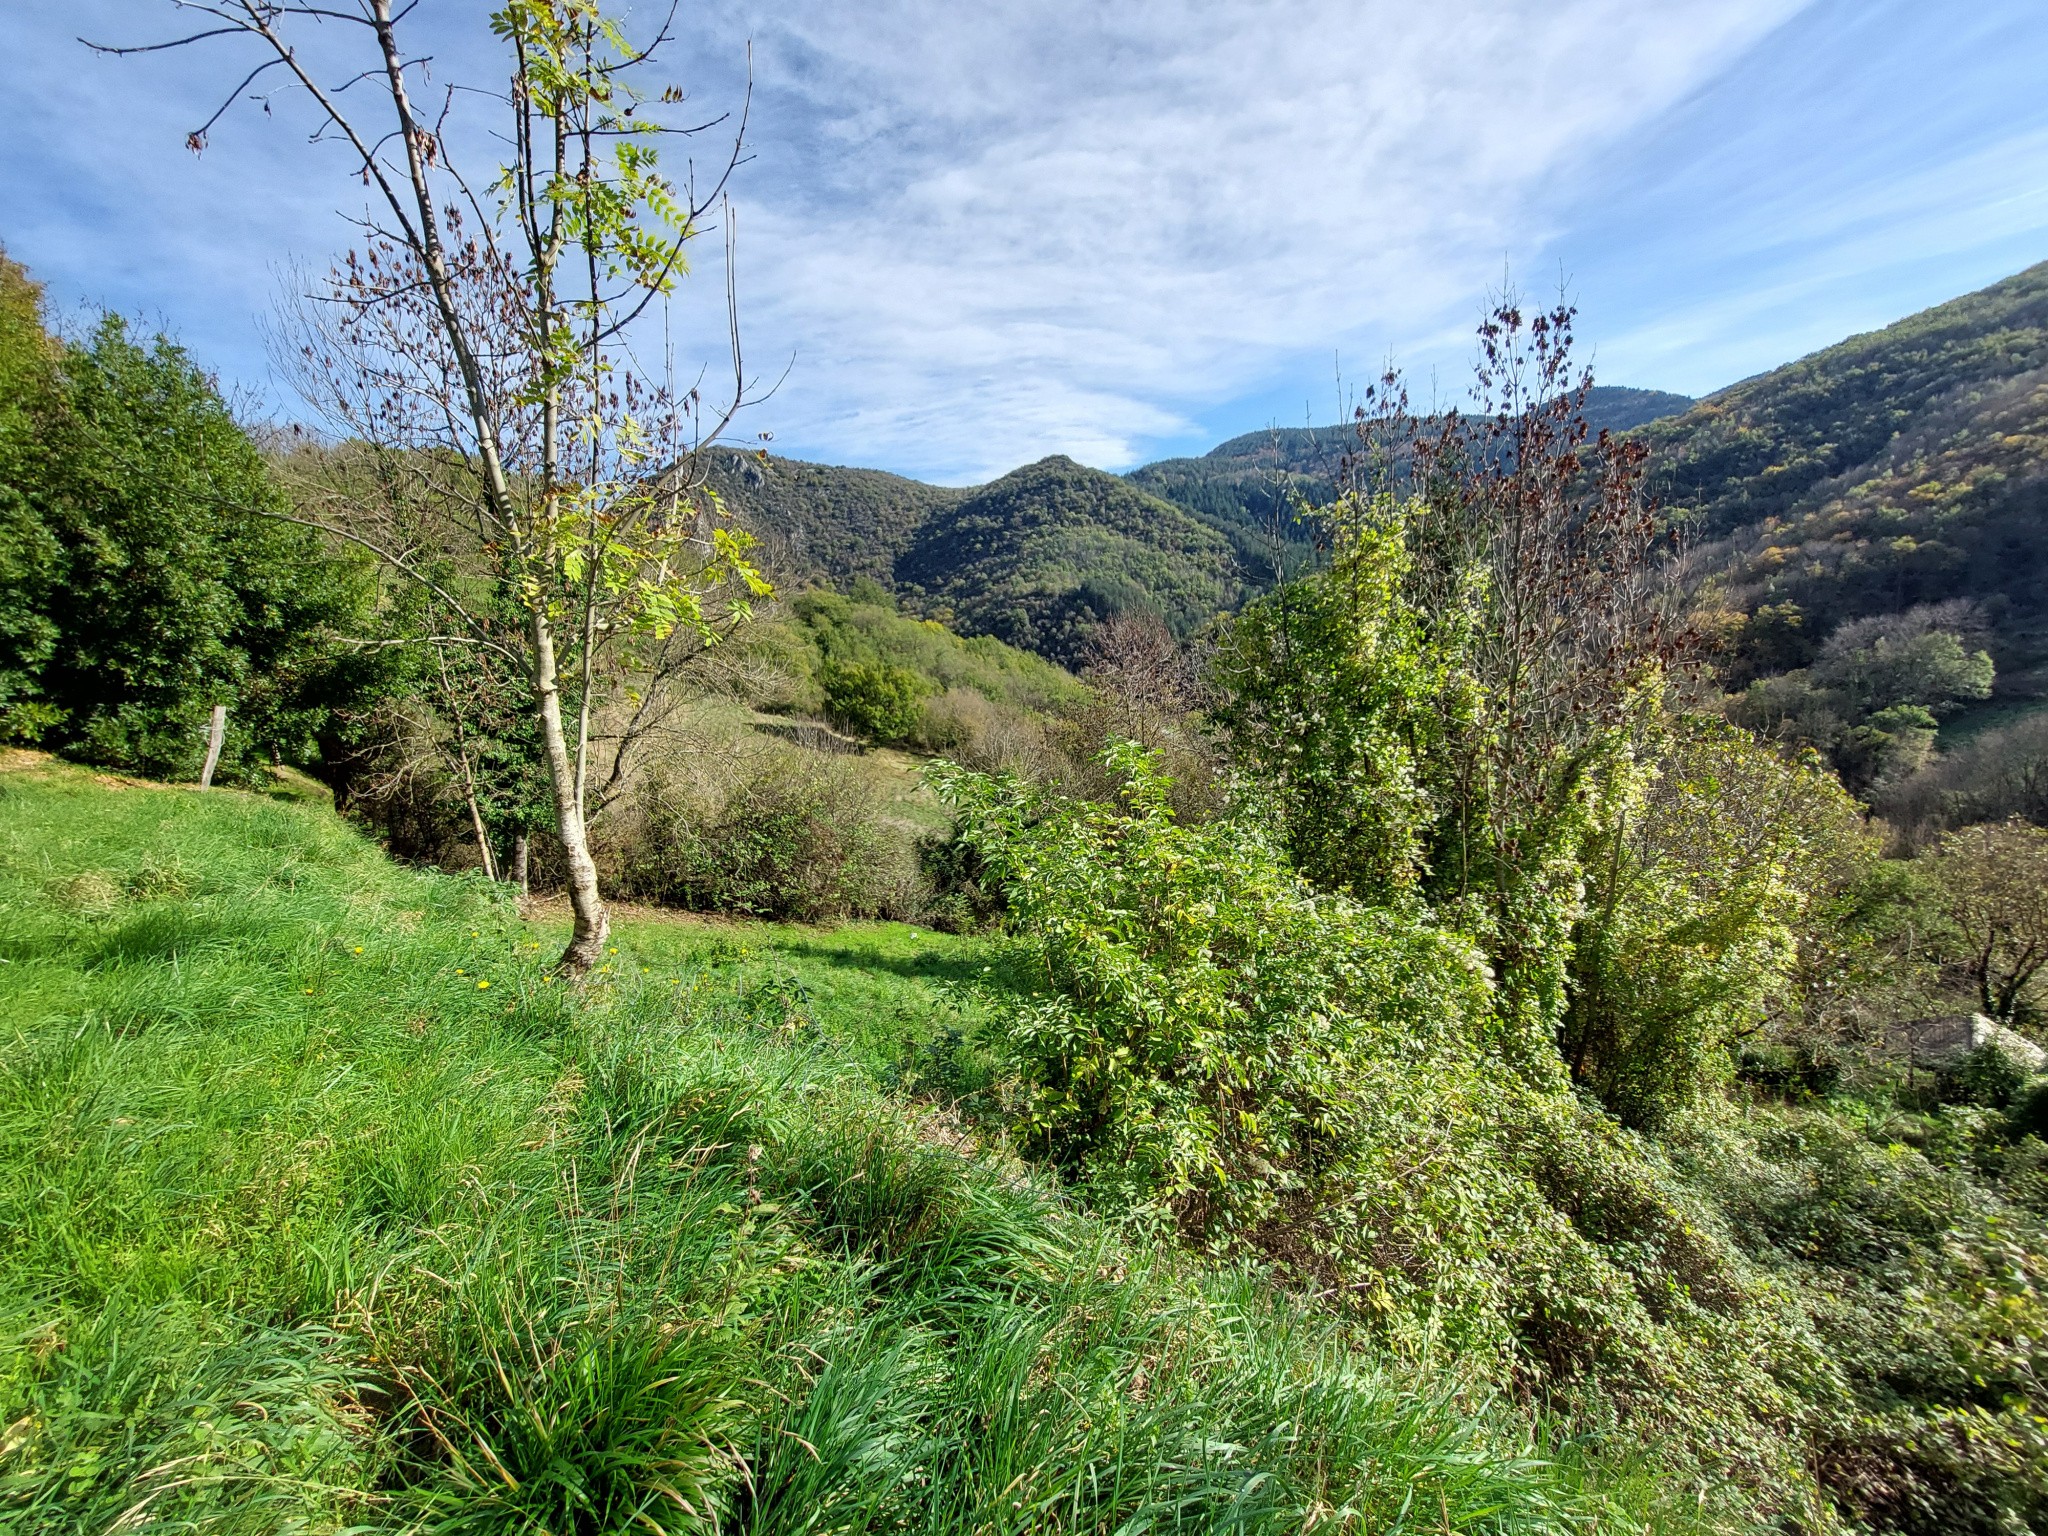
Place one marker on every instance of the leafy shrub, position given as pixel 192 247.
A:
pixel 2028 1111
pixel 1269 1070
pixel 793 835
pixel 1209 1012
pixel 1691 932
pixel 963 897
pixel 1988 1076
pixel 1215 1047
pixel 872 699
pixel 1788 1071
pixel 1924 1288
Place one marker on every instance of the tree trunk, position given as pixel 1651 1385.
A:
pixel 483 837
pixel 476 815
pixel 586 943
pixel 216 734
pixel 519 863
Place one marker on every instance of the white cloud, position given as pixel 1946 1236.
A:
pixel 984 232
pixel 989 233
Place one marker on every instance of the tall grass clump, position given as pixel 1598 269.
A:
pixel 327 1209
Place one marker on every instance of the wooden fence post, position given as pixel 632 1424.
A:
pixel 216 734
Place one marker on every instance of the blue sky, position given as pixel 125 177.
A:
pixel 980 234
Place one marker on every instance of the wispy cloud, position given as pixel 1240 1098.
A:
pixel 988 233
pixel 1874 157
pixel 981 234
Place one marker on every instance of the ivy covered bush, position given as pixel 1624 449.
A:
pixel 1214 1047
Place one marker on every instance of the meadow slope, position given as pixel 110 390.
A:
pixel 325 1207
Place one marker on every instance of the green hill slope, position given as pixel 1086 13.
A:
pixel 1896 470
pixel 326 1209
pixel 824 522
pixel 1048 551
pixel 1034 559
pixel 1039 556
pixel 1774 445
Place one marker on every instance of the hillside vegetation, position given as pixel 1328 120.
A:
pixel 1042 556
pixel 781 782
pixel 1884 492
pixel 823 522
pixel 1038 559
pixel 1388 1047
pixel 328 1209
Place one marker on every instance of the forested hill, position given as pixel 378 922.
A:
pixel 824 522
pixel 1039 556
pixel 1050 550
pixel 1246 488
pixel 1891 472
pixel 1036 558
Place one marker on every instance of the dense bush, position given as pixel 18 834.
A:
pixel 31 558
pixel 872 699
pixel 1832 1313
pixel 788 834
pixel 1691 938
pixel 1989 1076
pixel 148 577
pixel 964 895
pixel 1871 699
pixel 1217 1048
pixel 1209 1015
pixel 1912 1243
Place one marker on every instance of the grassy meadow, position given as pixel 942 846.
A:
pixel 324 1207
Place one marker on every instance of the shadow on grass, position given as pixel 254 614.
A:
pixel 982 968
pixel 158 933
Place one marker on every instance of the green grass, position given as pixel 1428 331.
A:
pixel 322 1207
pixel 889 996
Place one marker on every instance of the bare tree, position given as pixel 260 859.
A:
pixel 1147 676
pixel 479 341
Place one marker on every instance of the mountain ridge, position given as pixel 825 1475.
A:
pixel 1899 469
pixel 1039 561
